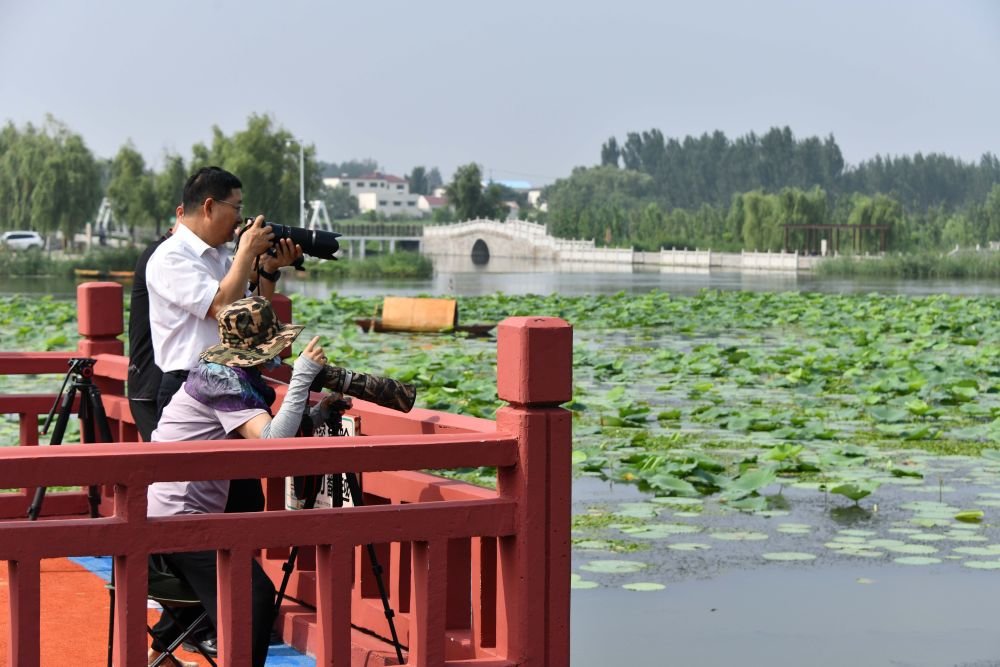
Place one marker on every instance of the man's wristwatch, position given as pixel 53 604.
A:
pixel 273 277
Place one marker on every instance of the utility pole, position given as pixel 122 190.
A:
pixel 302 185
pixel 302 181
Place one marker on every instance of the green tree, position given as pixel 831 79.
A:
pixel 169 188
pixel 131 190
pixel 418 181
pixel 573 201
pixel 761 229
pixel 470 199
pixel 989 217
pixel 434 180
pixel 266 159
pixel 443 214
pixel 49 179
pixel 610 153
pixel 798 207
pixel 878 210
pixel 958 232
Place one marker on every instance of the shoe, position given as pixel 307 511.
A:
pixel 209 646
pixel 169 662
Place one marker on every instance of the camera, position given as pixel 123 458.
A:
pixel 314 242
pixel 387 392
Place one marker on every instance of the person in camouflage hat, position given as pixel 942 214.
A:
pixel 250 333
pixel 226 396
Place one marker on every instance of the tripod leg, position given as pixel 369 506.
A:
pixel 355 487
pixel 87 426
pixel 313 487
pixel 94 419
pixel 100 417
pixel 57 435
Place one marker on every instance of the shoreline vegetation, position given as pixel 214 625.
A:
pixel 38 263
pixel 395 265
pixel 962 264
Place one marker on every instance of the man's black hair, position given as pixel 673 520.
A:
pixel 213 182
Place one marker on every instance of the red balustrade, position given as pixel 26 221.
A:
pixel 477 577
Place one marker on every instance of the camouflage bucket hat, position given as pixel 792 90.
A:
pixel 250 333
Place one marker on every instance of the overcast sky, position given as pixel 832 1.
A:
pixel 527 89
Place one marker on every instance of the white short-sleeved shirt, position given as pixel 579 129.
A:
pixel 183 277
pixel 184 418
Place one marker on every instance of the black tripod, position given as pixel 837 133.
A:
pixel 310 487
pixel 92 420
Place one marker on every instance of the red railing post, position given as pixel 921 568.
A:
pixel 535 375
pixel 131 580
pixel 100 321
pixel 24 578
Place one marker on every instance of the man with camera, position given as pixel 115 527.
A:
pixel 192 276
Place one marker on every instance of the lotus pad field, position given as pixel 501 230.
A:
pixel 722 429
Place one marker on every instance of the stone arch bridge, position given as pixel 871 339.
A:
pixel 482 239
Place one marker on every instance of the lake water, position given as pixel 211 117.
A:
pixel 737 609
pixel 458 276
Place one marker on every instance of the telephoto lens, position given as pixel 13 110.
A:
pixel 314 242
pixel 382 391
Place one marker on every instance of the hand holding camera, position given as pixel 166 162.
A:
pixel 313 242
pixel 256 236
pixel 283 252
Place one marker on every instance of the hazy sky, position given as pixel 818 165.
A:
pixel 527 89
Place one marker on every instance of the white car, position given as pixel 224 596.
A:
pixel 22 240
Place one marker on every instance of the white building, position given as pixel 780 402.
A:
pixel 383 193
pixel 430 203
pixel 534 197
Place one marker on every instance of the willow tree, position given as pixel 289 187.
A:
pixel 168 186
pixel 265 158
pixel 49 179
pixel 131 191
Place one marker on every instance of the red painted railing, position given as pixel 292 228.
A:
pixel 476 577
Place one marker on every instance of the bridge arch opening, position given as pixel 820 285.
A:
pixel 480 253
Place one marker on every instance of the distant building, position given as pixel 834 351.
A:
pixel 384 194
pixel 430 203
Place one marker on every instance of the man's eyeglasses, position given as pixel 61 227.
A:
pixel 238 207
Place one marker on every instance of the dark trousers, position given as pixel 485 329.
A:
pixel 144 413
pixel 169 384
pixel 198 569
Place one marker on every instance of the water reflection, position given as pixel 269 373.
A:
pixel 791 616
pixel 458 276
